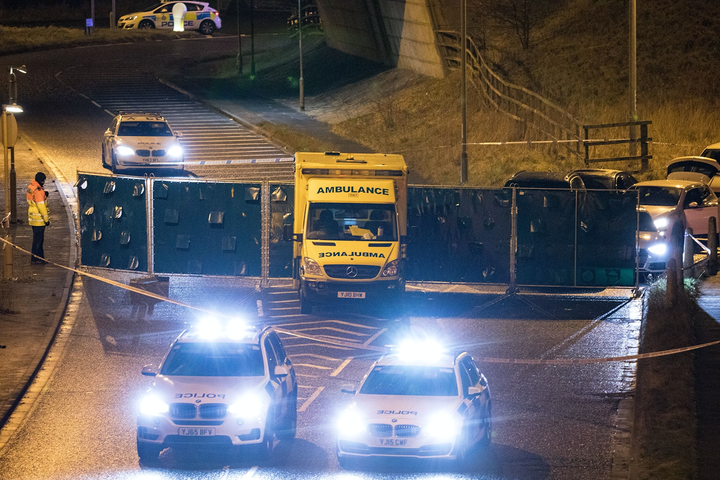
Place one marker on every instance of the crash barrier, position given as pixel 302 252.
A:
pixel 192 226
pixel 507 236
pixel 526 237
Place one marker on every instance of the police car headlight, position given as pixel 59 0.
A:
pixel 175 151
pixel 312 267
pixel 151 405
pixel 350 422
pixel 248 406
pixel 661 223
pixel 443 426
pixel 129 18
pixel 391 269
pixel 658 249
pixel 125 151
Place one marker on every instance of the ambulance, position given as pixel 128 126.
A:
pixel 349 227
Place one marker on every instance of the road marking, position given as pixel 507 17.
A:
pixel 316 356
pixel 331 321
pixel 372 339
pixel 310 365
pixel 312 398
pixel 250 472
pixel 349 332
pixel 96 103
pixel 340 368
pixel 314 345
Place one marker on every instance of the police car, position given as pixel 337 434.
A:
pixel 141 140
pixel 199 17
pixel 416 402
pixel 219 387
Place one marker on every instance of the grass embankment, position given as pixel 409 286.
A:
pixel 663 444
pixel 22 39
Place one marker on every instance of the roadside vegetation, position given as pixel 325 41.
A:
pixel 663 443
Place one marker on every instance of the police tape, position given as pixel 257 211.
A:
pixel 332 341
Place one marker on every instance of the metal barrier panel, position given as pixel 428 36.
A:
pixel 207 228
pixel 458 235
pixel 575 238
pixel 606 236
pixel 113 222
pixel 282 206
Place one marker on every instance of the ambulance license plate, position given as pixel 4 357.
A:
pixel 196 432
pixel 351 294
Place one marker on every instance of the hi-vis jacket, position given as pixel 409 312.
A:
pixel 38 214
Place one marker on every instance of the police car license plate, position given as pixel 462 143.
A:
pixel 197 432
pixel 156 160
pixel 392 442
pixel 351 294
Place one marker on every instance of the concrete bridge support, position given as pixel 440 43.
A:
pixel 398 33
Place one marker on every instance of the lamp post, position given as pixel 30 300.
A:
pixel 463 93
pixel 252 39
pixel 302 88
pixel 7 110
pixel 632 52
pixel 12 96
pixel 239 54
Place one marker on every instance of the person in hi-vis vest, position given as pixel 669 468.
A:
pixel 38 216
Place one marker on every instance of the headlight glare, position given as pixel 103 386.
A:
pixel 391 269
pixel 350 422
pixel 248 406
pixel 125 151
pixel 661 223
pixel 658 249
pixel 312 267
pixel 175 151
pixel 151 405
pixel 443 427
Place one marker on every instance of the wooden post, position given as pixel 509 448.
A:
pixel 672 283
pixel 712 244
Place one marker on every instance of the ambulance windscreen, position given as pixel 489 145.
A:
pixel 351 221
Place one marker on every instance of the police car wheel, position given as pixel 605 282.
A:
pixel 207 27
pixel 265 447
pixel 487 427
pixel 288 429
pixel 145 24
pixel 148 452
pixel 113 162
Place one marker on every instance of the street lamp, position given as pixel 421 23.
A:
pixel 302 87
pixel 13 107
pixel 7 111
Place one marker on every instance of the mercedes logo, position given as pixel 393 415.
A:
pixel 351 271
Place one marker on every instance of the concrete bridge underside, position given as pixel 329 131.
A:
pixel 398 33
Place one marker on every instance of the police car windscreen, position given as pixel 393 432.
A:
pixel 214 360
pixel 410 380
pixel 351 221
pixel 144 129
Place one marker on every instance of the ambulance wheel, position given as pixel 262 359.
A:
pixel 148 452
pixel 305 303
pixel 207 27
pixel 145 25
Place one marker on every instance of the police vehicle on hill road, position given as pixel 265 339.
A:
pixel 199 16
pixel 416 402
pixel 141 140
pixel 219 387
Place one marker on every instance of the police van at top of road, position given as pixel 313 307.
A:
pixel 416 402
pixel 349 226
pixel 219 386
pixel 199 16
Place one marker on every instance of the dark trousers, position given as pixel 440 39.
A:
pixel 37 245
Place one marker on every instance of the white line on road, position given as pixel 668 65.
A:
pixel 316 356
pixel 372 339
pixel 312 398
pixel 310 365
pixel 250 472
pixel 96 103
pixel 340 368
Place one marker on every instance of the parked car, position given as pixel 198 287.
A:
pixel 525 179
pixel 141 140
pixel 677 204
pixel 603 178
pixel 199 17
pixel 701 169
pixel 653 248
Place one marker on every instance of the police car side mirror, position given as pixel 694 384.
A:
pixel 348 389
pixel 108 133
pixel 149 370
pixel 474 391
pixel 281 371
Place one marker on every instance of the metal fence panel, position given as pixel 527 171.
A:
pixel 113 222
pixel 282 206
pixel 458 235
pixel 207 228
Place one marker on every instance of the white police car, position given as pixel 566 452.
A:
pixel 199 16
pixel 219 387
pixel 141 140
pixel 417 402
